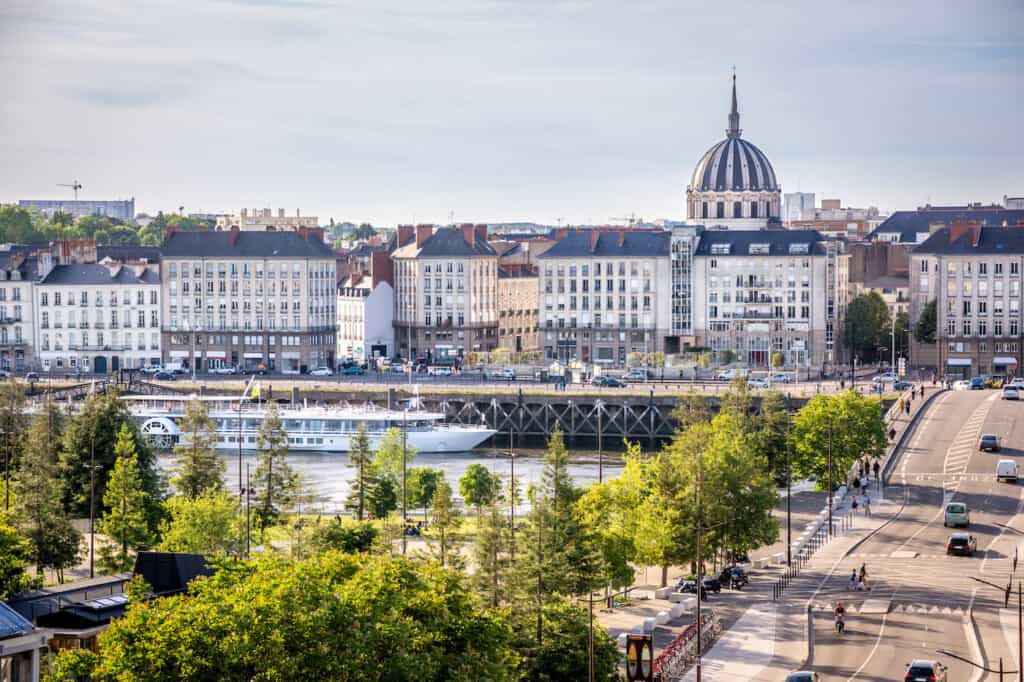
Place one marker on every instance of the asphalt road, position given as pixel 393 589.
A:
pixel 932 601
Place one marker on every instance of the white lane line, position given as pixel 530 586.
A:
pixel 1002 529
pixel 878 640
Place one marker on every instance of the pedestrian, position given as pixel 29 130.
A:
pixel 901 404
pixel 853 504
pixel 907 407
pixel 892 433
pixel 864 574
pixel 853 580
pixel 856 481
pixel 867 504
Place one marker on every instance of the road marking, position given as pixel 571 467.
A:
pixel 1002 529
pixel 878 640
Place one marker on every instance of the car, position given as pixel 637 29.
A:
pixel 956 514
pixel 351 370
pixel 1010 393
pixel 1017 383
pixel 977 384
pixel 506 373
pixel 902 386
pixel 326 371
pixel 1006 470
pixel 989 442
pixel 925 671
pixel 31 376
pixel 688 584
pixel 780 379
pixel 961 385
pixel 636 375
pixel 730 374
pixel 224 369
pixel 963 544
pixel 440 371
pixel 803 676
pixel 4 374
pixel 995 381
pixel 608 382
pixel 397 368
pixel 758 383
pixel 164 376
pixel 887 378
pixel 150 369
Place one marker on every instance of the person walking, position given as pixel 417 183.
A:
pixel 876 467
pixel 863 579
pixel 853 580
pixel 856 483
pixel 867 504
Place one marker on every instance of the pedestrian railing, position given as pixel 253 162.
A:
pixel 820 538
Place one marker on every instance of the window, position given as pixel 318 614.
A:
pixel 753 209
pixel 737 209
pixel 982 327
pixel 982 268
pixel 999 268
pixel 720 209
pixel 1014 268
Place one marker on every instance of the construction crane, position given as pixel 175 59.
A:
pixel 75 185
pixel 630 221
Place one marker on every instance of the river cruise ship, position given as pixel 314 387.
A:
pixel 317 428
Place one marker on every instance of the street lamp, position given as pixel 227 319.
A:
pixel 1007 591
pixel 92 502
pixel 1000 672
pixel 405 517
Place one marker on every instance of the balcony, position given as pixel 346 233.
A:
pixel 83 325
pixel 96 347
pixel 10 320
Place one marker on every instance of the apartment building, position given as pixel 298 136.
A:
pixel 683 245
pixel 95 317
pixel 973 273
pixel 249 299
pixel 757 293
pixel 365 318
pixel 517 308
pixel 833 220
pixel 264 220
pixel 446 291
pixel 18 274
pixel 605 294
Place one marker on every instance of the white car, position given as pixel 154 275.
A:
pixel 962 385
pixel 887 378
pixel 780 379
pixel 730 374
pixel 226 369
pixel 1017 383
pixel 758 383
pixel 1011 393
pixel 150 369
pixel 506 373
pixel 321 372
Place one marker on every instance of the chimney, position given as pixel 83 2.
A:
pixel 469 234
pixel 233 236
pixel 354 278
pixel 168 231
pixel 959 228
pixel 561 233
pixel 280 213
pixel 622 238
pixel 405 234
pixel 423 233
pixel 481 233
pixel 381 268
pixel 298 213
pixel 245 212
pixel 594 236
pixel 304 233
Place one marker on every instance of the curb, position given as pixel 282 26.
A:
pixel 900 444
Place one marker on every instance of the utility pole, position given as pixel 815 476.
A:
pixel 590 641
pixel 892 342
pixel 540 611
pixel 789 498
pixel 600 452
pixel 248 515
pixel 511 498
pixel 700 567
pixel 830 496
pixel 405 516
pixel 92 501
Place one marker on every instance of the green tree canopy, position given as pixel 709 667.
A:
pixel 212 523
pixel 388 459
pixel 867 324
pixel 275 482
pixel 927 322
pixel 563 651
pixel 361 457
pixel 330 617
pixel 199 468
pixel 848 424
pixel 125 520
pixel 348 537
pixel 15 553
pixel 421 482
pixel 478 486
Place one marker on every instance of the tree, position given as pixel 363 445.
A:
pixel 361 457
pixel 770 438
pixel 382 497
pixel 350 538
pixel 388 459
pixel 726 357
pixel 210 523
pixel 125 522
pixel 478 486
pixel 421 482
pixel 927 321
pixel 18 226
pixel 55 541
pixel 867 324
pixel 444 522
pixel 15 553
pixel 848 424
pixel 563 651
pixel 491 553
pixel 275 481
pixel 902 327
pixel 778 360
pixel 91 435
pixel 199 468
pixel 330 617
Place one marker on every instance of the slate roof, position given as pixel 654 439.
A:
pixel 634 244
pixel 125 253
pixel 171 572
pixel 97 274
pixel 447 242
pixel 12 624
pixel 992 241
pixel 909 223
pixel 778 242
pixel 247 245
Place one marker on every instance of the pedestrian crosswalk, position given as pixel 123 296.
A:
pixel 965 444
pixel 895 607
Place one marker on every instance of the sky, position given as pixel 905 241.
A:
pixel 572 111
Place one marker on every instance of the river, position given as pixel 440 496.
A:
pixel 327 476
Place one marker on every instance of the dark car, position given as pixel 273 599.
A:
pixel 902 386
pixel 803 676
pixel 689 584
pixel 354 370
pixel 977 384
pixel 989 442
pixel 610 382
pixel 164 376
pixel 31 376
pixel 963 544
pixel 925 671
pixel 734 577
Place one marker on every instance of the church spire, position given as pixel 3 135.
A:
pixel 734 116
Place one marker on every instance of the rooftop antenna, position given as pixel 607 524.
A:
pixel 630 221
pixel 75 186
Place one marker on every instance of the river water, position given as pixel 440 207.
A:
pixel 327 475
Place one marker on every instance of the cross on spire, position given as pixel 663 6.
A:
pixel 734 115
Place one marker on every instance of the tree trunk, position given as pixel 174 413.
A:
pixel 664 575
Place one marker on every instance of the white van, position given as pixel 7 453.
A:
pixel 1006 470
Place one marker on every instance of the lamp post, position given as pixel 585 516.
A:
pixel 405 517
pixel 248 514
pixel 600 450
pixel 1007 591
pixel 7 470
pixel 92 503
pixel 892 336
pixel 831 498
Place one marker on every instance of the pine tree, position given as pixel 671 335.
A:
pixel 444 522
pixel 274 480
pixel 491 553
pixel 361 457
pixel 40 513
pixel 125 522
pixel 199 468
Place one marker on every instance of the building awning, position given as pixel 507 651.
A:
pixel 253 356
pixel 216 354
pixel 1004 360
pixel 959 362
pixel 179 353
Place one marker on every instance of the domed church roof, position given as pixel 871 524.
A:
pixel 734 164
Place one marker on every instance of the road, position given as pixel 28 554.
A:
pixel 925 599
